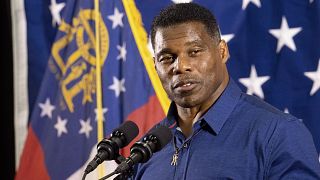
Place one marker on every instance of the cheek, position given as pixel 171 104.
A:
pixel 209 73
pixel 163 75
pixel 207 69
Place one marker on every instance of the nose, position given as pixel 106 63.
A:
pixel 181 65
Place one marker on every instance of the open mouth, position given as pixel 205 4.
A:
pixel 184 86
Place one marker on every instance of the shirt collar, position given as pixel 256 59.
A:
pixel 217 115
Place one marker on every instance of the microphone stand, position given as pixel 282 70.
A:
pixel 122 176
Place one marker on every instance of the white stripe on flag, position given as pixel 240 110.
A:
pixel 108 167
pixel 20 73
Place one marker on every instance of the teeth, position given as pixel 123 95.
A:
pixel 188 84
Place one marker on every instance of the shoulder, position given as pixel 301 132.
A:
pixel 288 143
pixel 254 105
pixel 259 113
pixel 275 125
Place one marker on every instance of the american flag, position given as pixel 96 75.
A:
pixel 274 55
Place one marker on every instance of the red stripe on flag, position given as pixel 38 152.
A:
pixel 145 117
pixel 32 160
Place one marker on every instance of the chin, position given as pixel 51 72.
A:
pixel 186 102
pixel 184 105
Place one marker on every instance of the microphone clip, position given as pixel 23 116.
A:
pixel 107 145
pixel 125 174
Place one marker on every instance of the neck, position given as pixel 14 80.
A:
pixel 189 116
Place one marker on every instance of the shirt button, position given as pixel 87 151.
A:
pixel 185 145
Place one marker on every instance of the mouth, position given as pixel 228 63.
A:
pixel 184 86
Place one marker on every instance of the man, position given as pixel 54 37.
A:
pixel 219 132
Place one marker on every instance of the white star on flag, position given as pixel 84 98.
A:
pixel 246 2
pixel 86 128
pixel 55 9
pixel 285 35
pixel 123 52
pixel 104 110
pixel 311 1
pixel 254 83
pixel 117 86
pixel 61 126
pixel 116 18
pixel 46 108
pixel 286 110
pixel 315 77
pixel 227 37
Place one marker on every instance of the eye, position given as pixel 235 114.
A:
pixel 166 59
pixel 194 52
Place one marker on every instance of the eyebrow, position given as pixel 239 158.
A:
pixel 164 51
pixel 169 51
pixel 195 42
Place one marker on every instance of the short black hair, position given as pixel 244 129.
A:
pixel 182 13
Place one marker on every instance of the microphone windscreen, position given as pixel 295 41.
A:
pixel 130 131
pixel 163 134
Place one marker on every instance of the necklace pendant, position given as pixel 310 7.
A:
pixel 174 161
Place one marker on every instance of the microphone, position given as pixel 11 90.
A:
pixel 108 148
pixel 142 151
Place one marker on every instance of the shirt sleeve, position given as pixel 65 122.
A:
pixel 292 153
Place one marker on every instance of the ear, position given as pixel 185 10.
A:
pixel 224 51
pixel 154 62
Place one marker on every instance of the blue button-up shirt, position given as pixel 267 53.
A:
pixel 240 137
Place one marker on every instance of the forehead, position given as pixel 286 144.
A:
pixel 181 33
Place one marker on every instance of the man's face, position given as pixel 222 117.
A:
pixel 190 63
